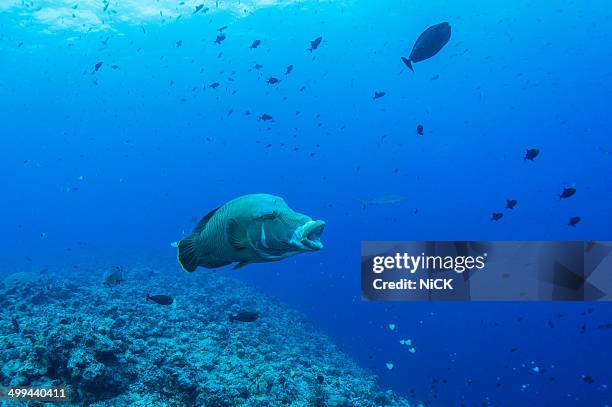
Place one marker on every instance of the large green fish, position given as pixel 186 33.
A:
pixel 253 228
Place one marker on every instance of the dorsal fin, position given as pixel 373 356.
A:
pixel 202 223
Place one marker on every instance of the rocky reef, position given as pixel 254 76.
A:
pixel 111 347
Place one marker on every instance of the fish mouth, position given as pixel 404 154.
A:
pixel 309 235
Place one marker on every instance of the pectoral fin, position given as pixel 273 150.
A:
pixel 236 235
pixel 241 265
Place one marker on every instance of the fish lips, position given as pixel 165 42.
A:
pixel 308 236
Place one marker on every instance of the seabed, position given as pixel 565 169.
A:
pixel 110 347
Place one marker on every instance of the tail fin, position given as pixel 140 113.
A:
pixel 407 62
pixel 187 256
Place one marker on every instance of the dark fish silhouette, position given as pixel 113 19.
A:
pixel 314 44
pixel 97 66
pixel 160 299
pixel 378 95
pixel 198 8
pixel 179 43
pixel 220 38
pixel 221 29
pixel 567 192
pixel 429 43
pixel 573 221
pixel 265 117
pixel 531 154
pixel 255 44
pixel 114 277
pixel 420 130
pixel 214 85
pixel 272 80
pixel 497 216
pixel 244 316
pixel 289 70
pixel 511 203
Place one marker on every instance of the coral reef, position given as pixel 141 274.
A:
pixel 111 347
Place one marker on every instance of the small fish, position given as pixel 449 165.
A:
pixel 257 66
pixel 435 77
pixel 382 200
pixel 244 316
pixel 389 365
pixel 531 154
pixel 314 44
pixel 220 38
pixel 420 130
pixel 97 66
pixel 160 299
pixel 378 95
pixel 179 43
pixel 214 85
pixel 497 216
pixel 392 327
pixel 113 277
pixel 429 43
pixel 198 8
pixel 221 29
pixel 255 44
pixel 588 379
pixel 567 192
pixel 574 220
pixel 511 203
pixel 289 69
pixel 265 117
pixel 272 80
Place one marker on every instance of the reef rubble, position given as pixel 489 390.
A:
pixel 111 347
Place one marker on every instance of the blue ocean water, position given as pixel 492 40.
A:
pixel 115 163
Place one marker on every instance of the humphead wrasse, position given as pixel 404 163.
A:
pixel 254 228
